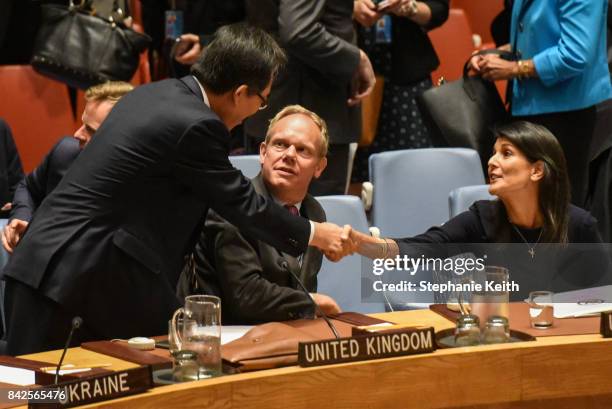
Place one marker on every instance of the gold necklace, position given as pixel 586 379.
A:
pixel 531 249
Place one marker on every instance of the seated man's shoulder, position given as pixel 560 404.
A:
pixel 65 151
pixel 313 209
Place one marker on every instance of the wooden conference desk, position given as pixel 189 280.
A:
pixel 553 372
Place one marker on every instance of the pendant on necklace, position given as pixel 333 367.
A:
pixel 532 252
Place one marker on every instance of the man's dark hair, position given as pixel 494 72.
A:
pixel 239 54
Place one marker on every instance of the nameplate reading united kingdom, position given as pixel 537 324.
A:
pixel 101 387
pixel 365 347
pixel 606 324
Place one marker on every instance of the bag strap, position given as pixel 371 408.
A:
pixel 506 55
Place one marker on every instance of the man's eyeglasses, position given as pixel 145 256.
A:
pixel 264 101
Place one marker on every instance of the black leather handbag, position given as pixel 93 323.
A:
pixel 461 113
pixel 81 49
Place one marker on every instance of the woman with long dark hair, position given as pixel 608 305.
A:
pixel 528 174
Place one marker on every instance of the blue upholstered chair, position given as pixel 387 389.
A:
pixel 348 281
pixel 460 199
pixel 248 164
pixel 411 187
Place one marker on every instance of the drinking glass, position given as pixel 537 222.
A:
pixel 541 311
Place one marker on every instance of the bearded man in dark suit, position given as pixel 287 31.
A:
pixel 108 244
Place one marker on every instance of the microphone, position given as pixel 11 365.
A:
pixel 76 324
pixel 285 266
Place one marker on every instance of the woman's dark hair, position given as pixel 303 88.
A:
pixel 538 144
pixel 239 54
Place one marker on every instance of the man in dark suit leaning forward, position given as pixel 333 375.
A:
pixel 35 186
pixel 251 277
pixel 108 244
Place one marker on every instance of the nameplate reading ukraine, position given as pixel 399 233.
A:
pixel 101 387
pixel 365 347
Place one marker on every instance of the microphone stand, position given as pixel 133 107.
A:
pixel 318 310
pixel 76 323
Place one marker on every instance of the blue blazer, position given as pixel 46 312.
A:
pixel 567 42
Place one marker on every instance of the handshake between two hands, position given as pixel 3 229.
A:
pixel 334 241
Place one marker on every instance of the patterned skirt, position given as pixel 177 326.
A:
pixel 400 125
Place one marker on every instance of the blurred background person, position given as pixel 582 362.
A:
pixel 253 279
pixel 34 187
pixel 561 73
pixel 184 27
pixel 326 73
pixel 395 38
pixel 180 30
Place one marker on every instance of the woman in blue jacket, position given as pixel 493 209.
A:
pixel 559 74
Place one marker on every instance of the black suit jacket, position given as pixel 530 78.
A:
pixel 10 165
pixel 33 188
pixel 109 242
pixel 11 171
pixel 250 276
pixel 319 39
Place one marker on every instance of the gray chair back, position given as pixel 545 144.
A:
pixel 411 187
pixel 348 281
pixel 248 164
pixel 460 199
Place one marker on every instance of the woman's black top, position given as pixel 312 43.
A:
pixel 485 231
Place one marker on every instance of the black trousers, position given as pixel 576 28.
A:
pixel 36 323
pixel 574 131
pixel 115 295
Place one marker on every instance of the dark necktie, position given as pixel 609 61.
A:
pixel 293 210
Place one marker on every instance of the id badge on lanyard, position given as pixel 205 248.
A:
pixel 383 30
pixel 173 24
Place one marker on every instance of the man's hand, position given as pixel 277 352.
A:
pixel 333 240
pixel 363 80
pixel 12 232
pixel 188 49
pixel 7 206
pixel 365 12
pixel 326 304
